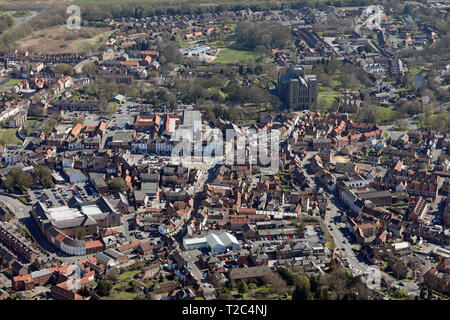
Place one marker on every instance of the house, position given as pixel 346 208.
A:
pixel 244 274
pixel 99 182
pixel 75 175
pixel 347 167
pixel 18 120
pixel 164 287
pixel 144 248
pixel 118 99
pixel 149 272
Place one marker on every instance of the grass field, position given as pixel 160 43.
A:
pixel 83 45
pixel 327 90
pixel 229 55
pixel 414 70
pixel 129 274
pixel 430 122
pixel 8 137
pixel 10 82
pixel 62 40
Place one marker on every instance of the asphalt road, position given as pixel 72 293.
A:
pixel 358 265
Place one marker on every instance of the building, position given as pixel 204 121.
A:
pixel 244 274
pixel 62 225
pixel 99 182
pixel 296 89
pixel 217 243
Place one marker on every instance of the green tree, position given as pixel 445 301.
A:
pixel 117 184
pixel 242 287
pixel 108 107
pixel 301 293
pixel 303 288
pixel 224 294
pixel 45 176
pixel 80 233
pixel 19 179
pixel 65 69
pixel 79 121
pixel 321 293
pixel 103 288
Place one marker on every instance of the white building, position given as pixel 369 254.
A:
pixel 216 242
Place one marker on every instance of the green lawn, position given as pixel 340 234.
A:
pixel 9 137
pixel 10 82
pixel 122 295
pixel 94 42
pixel 129 274
pixel 337 80
pixel 429 123
pixel 327 90
pixel 229 55
pixel 414 70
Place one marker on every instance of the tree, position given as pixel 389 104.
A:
pixel 321 293
pixel 302 289
pixel 242 287
pixel 301 293
pixel 89 68
pixel 113 274
pixel 108 107
pixel 65 69
pixel 224 294
pixel 45 176
pixel 80 233
pixel 117 184
pixel 79 121
pixel 18 179
pixel 103 288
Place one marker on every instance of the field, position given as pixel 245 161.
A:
pixel 62 40
pixel 8 137
pixel 10 82
pixel 230 55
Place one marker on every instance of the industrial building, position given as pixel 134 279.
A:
pixel 216 242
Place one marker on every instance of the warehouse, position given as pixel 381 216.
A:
pixel 216 242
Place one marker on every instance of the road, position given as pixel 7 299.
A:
pixel 357 264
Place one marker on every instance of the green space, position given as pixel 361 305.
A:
pixel 414 70
pixel 10 82
pixel 92 43
pixel 9 137
pixel 386 112
pixel 323 90
pixel 20 14
pixel 337 80
pixel 229 55
pixel 439 120
pixel 129 274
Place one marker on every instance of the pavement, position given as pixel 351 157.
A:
pixel 356 264
pixel 20 210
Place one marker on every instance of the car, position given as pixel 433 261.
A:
pixel 343 249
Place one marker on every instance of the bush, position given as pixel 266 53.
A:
pixel 103 288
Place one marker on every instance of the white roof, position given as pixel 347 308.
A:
pixel 64 213
pixel 192 241
pixel 228 239
pixel 214 240
pixel 400 245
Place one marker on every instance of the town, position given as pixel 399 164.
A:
pixel 119 182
